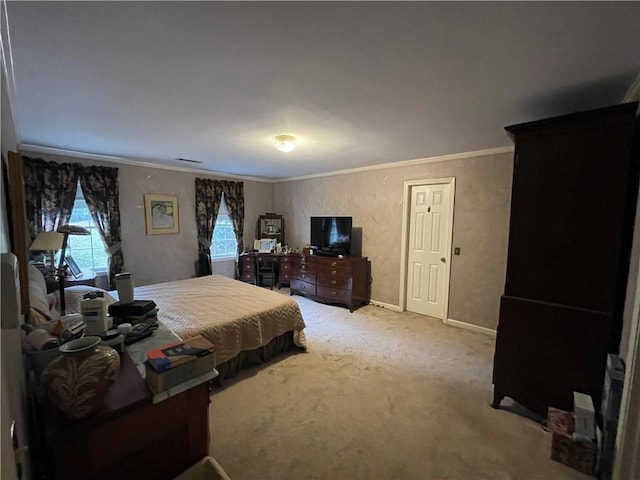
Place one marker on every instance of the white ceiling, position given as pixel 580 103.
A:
pixel 358 83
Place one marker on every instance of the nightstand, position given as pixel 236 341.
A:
pixel 88 278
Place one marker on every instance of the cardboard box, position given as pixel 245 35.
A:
pixel 161 381
pixel 578 454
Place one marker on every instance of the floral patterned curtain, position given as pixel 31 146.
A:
pixel 208 199
pixel 50 192
pixel 100 188
pixel 234 198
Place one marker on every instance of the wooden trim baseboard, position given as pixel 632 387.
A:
pixel 470 326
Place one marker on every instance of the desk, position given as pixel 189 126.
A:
pixel 248 270
pixel 138 435
pixel 88 278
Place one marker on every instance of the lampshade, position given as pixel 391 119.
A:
pixel 285 143
pixel 47 241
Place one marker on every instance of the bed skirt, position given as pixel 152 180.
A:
pixel 246 358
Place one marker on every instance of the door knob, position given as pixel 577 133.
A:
pixel 443 260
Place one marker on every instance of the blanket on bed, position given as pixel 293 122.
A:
pixel 233 315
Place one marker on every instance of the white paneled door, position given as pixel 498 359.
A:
pixel 428 249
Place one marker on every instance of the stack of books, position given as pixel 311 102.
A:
pixel 178 362
pixel 135 312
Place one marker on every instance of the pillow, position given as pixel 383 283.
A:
pixel 74 295
pixel 40 310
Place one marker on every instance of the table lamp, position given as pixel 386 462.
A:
pixel 49 242
pixel 65 231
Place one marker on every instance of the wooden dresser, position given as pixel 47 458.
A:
pixel 342 281
pixel 132 438
pixel 138 434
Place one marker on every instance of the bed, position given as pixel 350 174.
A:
pixel 245 323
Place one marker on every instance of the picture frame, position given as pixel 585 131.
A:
pixel 267 245
pixel 73 266
pixel 161 214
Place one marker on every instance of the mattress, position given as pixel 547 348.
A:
pixel 234 316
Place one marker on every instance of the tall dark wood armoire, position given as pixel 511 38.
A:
pixel 575 186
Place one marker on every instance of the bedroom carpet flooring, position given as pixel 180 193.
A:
pixel 379 395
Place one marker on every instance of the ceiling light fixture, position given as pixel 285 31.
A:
pixel 285 143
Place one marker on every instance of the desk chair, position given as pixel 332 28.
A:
pixel 266 271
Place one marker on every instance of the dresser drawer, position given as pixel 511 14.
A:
pixel 303 287
pixel 335 263
pixel 286 270
pixel 286 267
pixel 307 266
pixel 284 277
pixel 248 277
pixel 334 271
pixel 336 294
pixel 304 276
pixel 247 265
pixel 334 281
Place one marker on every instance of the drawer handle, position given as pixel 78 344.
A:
pixel 333 272
pixel 303 275
pixel 332 282
pixel 334 293
pixel 333 264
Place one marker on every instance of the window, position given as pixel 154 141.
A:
pixel 87 250
pixel 223 244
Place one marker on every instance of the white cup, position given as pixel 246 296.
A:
pixel 124 284
pixel 124 328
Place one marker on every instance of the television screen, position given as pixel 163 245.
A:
pixel 331 234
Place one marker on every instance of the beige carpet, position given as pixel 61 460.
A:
pixel 379 395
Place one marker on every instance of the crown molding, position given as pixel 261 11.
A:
pixel 407 163
pixel 141 163
pixel 126 161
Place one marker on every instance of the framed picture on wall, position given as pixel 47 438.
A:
pixel 161 212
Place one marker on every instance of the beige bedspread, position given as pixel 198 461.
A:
pixel 232 315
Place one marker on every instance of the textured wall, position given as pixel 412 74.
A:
pixel 161 258
pixel 374 200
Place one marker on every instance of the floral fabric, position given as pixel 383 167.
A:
pixel 100 187
pixel 208 199
pixel 50 191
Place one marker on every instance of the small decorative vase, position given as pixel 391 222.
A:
pixel 78 380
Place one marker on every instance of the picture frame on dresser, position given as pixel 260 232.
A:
pixel 266 245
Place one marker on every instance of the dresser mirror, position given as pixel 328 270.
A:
pixel 270 226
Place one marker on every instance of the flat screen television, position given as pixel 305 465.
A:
pixel 331 235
